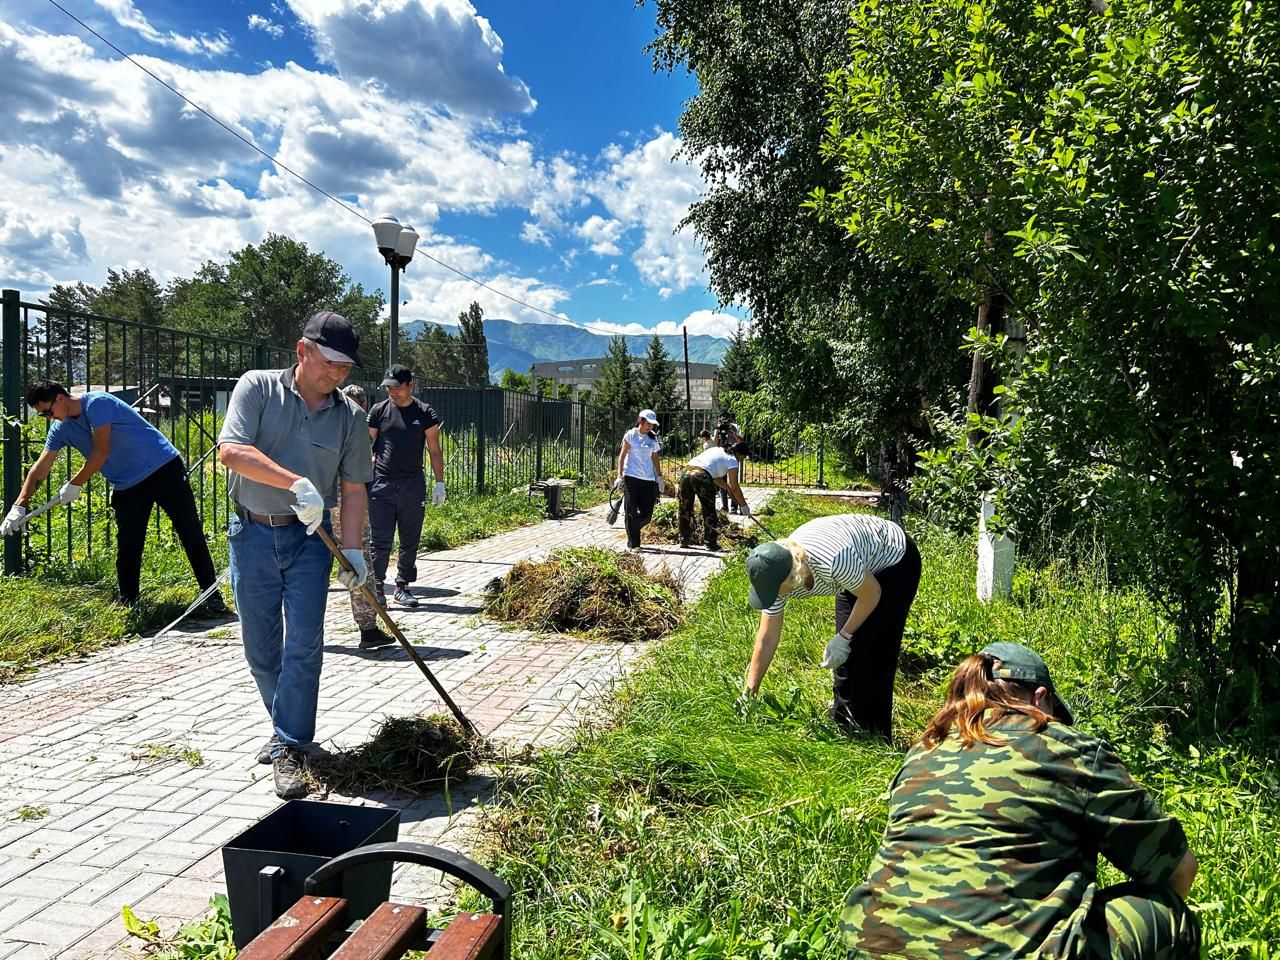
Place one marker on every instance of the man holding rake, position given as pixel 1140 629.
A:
pixel 292 439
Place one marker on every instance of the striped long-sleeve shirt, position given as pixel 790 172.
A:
pixel 842 550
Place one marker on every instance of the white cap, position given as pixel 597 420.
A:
pixel 650 416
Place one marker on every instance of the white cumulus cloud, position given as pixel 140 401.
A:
pixel 129 17
pixel 601 235
pixel 269 27
pixel 711 323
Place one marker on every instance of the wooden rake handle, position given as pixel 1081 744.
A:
pixel 395 632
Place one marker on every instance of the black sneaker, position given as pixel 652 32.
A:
pixel 403 597
pixel 215 606
pixel 289 769
pixel 264 753
pixel 374 637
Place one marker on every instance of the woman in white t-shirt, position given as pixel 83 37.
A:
pixel 872 568
pixel 713 468
pixel 639 474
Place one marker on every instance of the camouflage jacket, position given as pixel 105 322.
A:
pixel 991 852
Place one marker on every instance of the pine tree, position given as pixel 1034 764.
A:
pixel 738 366
pixel 658 386
pixel 473 346
pixel 616 386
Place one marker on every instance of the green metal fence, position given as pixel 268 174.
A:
pixel 773 461
pixel 493 439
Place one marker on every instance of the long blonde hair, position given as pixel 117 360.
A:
pixel 801 574
pixel 972 693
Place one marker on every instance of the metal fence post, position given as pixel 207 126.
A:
pixel 582 441
pixel 822 444
pixel 537 426
pixel 12 368
pixel 260 355
pixel 480 453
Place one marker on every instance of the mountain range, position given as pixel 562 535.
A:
pixel 516 346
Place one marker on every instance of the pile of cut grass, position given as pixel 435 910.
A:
pixel 600 594
pixel 406 755
pixel 665 528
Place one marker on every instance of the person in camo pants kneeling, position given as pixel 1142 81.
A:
pixel 366 618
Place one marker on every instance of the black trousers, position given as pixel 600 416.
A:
pixel 167 488
pixel 641 495
pixel 397 505
pixel 863 684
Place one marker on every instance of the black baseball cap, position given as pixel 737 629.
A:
pixel 335 336
pixel 1016 662
pixel 397 375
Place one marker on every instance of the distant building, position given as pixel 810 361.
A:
pixel 584 373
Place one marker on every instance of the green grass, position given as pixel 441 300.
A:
pixel 686 826
pixel 64 610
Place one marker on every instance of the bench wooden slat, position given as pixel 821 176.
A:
pixel 299 932
pixel 471 936
pixel 386 935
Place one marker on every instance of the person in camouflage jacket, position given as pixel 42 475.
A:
pixel 996 821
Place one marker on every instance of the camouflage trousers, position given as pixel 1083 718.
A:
pixel 697 487
pixel 361 609
pixel 1132 921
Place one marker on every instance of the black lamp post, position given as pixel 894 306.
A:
pixel 396 244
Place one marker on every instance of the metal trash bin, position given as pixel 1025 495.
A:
pixel 268 863
pixel 551 491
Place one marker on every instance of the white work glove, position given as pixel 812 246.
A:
pixel 310 505
pixel 13 520
pixel 353 579
pixel 617 484
pixel 746 509
pixel 437 495
pixel 69 492
pixel 837 652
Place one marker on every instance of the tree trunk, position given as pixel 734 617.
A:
pixel 982 379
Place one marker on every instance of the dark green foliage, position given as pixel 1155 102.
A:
pixel 617 386
pixel 474 348
pixel 738 368
pixel 656 386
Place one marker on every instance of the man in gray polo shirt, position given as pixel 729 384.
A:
pixel 290 437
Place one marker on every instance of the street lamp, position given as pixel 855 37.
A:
pixel 396 244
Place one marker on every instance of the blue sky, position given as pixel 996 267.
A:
pixel 530 143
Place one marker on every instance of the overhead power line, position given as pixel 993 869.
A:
pixel 320 190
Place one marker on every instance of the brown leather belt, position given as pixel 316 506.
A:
pixel 270 519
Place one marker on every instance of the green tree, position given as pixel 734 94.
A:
pixel 738 366
pixel 474 347
pixel 519 382
pixel 843 337
pixel 655 380
pixel 1112 177
pixel 58 346
pixel 616 386
pixel 436 356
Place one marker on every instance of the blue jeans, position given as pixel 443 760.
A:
pixel 280 578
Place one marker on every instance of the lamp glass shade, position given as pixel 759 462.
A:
pixel 386 230
pixel 406 243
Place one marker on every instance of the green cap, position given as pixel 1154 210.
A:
pixel 1024 665
pixel 768 565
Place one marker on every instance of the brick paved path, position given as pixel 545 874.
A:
pixel 97 742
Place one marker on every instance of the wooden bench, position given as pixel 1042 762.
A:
pixel 314 923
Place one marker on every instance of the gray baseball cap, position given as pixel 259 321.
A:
pixel 1024 665
pixel 768 565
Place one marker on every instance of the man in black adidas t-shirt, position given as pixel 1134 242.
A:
pixel 400 427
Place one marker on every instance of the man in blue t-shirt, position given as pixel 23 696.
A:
pixel 143 468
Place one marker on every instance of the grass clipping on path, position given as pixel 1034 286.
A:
pixel 406 755
pixel 665 528
pixel 601 594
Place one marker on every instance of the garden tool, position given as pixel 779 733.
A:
pixel 615 506
pixel 372 598
pixel 43 508
pixel 195 604
pixel 762 526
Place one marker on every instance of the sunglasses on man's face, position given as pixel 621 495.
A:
pixel 47 412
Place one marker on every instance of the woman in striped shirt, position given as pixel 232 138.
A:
pixel 872 568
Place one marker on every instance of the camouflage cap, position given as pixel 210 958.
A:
pixel 1024 665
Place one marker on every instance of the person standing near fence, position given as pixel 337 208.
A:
pixel 711 469
pixel 292 440
pixel 996 821
pixel 727 436
pixel 143 468
pixel 401 426
pixel 872 568
pixel 362 612
pixel 639 475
